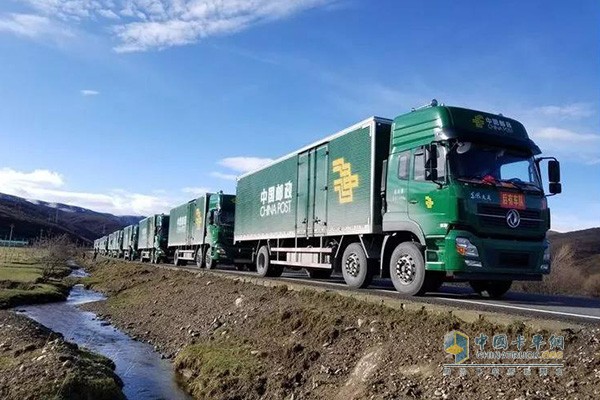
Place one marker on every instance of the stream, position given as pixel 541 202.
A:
pixel 144 374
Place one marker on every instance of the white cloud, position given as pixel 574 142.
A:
pixel 33 27
pixel 575 110
pixel 244 164
pixel 565 135
pixel 89 92
pixel 142 25
pixel 568 144
pixel 10 178
pixel 229 177
pixel 49 186
pixel 196 191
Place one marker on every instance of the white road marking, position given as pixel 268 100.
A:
pixel 521 308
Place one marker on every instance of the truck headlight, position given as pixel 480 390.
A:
pixel 465 248
pixel 546 261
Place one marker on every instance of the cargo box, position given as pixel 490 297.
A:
pixel 188 225
pixel 331 187
pixel 130 237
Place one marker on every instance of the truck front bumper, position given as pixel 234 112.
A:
pixel 491 259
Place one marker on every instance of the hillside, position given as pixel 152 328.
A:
pixel 32 217
pixel 585 245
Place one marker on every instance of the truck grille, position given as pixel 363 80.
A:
pixel 495 216
pixel 513 260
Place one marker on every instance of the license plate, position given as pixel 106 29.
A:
pixel 512 200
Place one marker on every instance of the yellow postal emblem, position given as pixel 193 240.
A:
pixel 347 182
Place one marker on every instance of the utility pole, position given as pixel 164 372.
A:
pixel 12 226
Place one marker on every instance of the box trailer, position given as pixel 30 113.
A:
pixel 305 201
pixel 201 230
pixel 130 242
pixel 438 194
pixel 115 244
pixel 153 233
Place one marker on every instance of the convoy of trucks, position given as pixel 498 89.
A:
pixel 438 194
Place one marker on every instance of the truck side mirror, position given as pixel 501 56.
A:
pixel 211 217
pixel 553 171
pixel 431 156
pixel 554 177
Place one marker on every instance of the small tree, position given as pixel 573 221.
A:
pixel 55 253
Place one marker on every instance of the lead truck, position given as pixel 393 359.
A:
pixel 439 194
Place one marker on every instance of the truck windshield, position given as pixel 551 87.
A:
pixel 481 163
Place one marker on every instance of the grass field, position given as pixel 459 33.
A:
pixel 23 279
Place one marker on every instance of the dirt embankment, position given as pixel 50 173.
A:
pixel 36 363
pixel 235 340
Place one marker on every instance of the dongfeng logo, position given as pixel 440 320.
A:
pixel 513 219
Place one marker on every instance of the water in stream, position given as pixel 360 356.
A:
pixel 145 375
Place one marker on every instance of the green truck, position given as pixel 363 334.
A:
pixel 152 238
pixel 130 242
pixel 438 194
pixel 115 244
pixel 100 245
pixel 201 230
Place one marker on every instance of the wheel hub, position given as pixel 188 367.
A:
pixel 352 265
pixel 406 269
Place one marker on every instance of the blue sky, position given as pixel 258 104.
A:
pixel 134 106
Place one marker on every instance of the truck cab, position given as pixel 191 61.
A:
pixel 219 229
pixel 463 200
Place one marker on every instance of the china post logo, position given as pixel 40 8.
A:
pixel 457 344
pixel 347 181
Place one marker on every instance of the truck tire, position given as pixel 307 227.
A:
pixel 407 269
pixel 209 263
pixel 319 273
pixel 199 258
pixel 491 289
pixel 355 267
pixel 263 264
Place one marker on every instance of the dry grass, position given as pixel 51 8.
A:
pixel 566 277
pixel 33 274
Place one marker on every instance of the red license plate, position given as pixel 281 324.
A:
pixel 512 200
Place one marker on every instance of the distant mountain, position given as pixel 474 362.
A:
pixel 34 217
pixel 586 246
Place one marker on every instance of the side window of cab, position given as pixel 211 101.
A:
pixel 403 165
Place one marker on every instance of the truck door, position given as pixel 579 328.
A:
pixel 318 193
pixel 427 202
pixel 303 196
pixel 397 187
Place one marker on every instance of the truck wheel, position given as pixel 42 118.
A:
pixel 209 263
pixel 199 258
pixel 407 269
pixel 263 264
pixel 319 273
pixel 355 267
pixel 491 289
